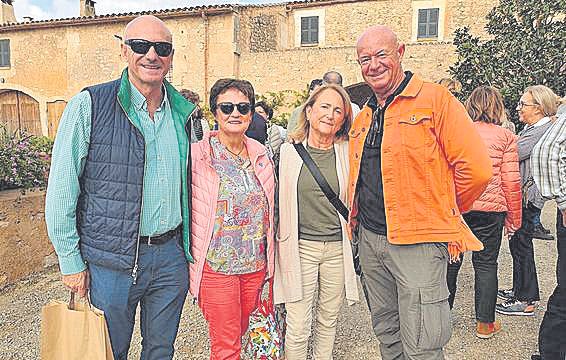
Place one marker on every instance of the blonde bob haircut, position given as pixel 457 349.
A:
pixel 545 98
pixel 302 130
pixel 485 104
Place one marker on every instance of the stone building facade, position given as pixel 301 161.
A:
pixel 276 47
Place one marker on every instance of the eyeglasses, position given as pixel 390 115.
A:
pixel 367 59
pixel 227 108
pixel 140 46
pixel 521 104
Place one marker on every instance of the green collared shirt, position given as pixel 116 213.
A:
pixel 161 207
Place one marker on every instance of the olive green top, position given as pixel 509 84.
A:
pixel 318 219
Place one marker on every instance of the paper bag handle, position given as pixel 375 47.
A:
pixel 72 301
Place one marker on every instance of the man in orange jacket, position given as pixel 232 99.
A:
pixel 416 163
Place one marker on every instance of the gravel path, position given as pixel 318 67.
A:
pixel 20 307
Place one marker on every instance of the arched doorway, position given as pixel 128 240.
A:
pixel 19 112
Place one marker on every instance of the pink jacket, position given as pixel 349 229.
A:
pixel 503 192
pixel 205 186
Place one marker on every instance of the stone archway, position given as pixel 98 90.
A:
pixel 20 112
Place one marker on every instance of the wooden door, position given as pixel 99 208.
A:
pixel 19 112
pixel 54 112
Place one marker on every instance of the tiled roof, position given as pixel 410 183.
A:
pixel 164 12
pixel 183 10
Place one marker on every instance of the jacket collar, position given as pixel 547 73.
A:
pixel 253 147
pixel 413 87
pixel 179 105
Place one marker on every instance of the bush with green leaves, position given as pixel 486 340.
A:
pixel 24 160
pixel 525 46
pixel 283 100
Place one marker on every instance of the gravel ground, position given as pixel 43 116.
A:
pixel 20 307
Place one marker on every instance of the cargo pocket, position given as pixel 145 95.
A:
pixel 435 327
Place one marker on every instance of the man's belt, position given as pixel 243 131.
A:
pixel 161 239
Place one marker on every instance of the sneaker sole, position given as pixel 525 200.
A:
pixel 514 313
pixel 488 336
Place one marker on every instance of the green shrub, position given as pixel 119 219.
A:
pixel 24 160
pixel 525 46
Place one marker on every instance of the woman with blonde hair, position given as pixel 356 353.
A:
pixel 313 251
pixel 536 107
pixel 499 206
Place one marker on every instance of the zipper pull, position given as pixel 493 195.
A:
pixel 135 274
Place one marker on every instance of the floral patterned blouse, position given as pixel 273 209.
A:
pixel 239 238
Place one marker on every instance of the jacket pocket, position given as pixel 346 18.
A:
pixel 413 129
pixel 435 325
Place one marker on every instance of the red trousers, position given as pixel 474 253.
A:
pixel 226 302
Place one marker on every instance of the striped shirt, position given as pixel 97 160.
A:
pixel 548 163
pixel 161 210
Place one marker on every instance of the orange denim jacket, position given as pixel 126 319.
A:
pixel 434 165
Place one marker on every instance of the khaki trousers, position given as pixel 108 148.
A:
pixel 405 286
pixel 322 267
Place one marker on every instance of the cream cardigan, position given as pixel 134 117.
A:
pixel 288 286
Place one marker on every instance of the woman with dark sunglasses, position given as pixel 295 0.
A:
pixel 233 186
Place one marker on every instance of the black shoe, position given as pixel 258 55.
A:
pixel 541 233
pixel 536 356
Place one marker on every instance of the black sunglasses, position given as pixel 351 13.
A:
pixel 140 46
pixel 227 108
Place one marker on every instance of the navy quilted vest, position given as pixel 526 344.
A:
pixel 109 206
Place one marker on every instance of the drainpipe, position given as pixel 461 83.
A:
pixel 206 40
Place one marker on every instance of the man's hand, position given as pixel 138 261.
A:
pixel 563 217
pixel 77 283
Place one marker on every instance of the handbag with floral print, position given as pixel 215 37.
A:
pixel 266 330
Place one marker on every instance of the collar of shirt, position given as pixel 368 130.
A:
pixel 140 102
pixel 372 103
pixel 541 122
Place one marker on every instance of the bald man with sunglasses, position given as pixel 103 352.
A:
pixel 118 197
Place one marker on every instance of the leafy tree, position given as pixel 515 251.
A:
pixel 525 46
pixel 283 100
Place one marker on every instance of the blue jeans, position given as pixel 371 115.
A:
pixel 161 289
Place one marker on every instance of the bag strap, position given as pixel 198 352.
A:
pixel 321 181
pixel 72 302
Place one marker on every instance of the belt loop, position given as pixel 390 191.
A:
pixel 149 240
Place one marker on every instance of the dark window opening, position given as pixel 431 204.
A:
pixel 309 30
pixel 4 52
pixel 428 23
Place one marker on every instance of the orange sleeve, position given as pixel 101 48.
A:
pixel 464 149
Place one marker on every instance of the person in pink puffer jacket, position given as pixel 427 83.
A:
pixel 233 199
pixel 499 206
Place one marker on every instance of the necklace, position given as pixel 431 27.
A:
pixel 243 163
pixel 233 153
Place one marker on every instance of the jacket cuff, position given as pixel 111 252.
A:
pixel 72 264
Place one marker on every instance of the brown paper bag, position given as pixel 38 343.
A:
pixel 74 331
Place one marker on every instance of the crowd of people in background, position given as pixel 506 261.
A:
pixel 395 192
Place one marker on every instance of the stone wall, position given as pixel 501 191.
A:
pixel 290 66
pixel 53 62
pixel 24 245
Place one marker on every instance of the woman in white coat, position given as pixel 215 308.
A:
pixel 312 249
